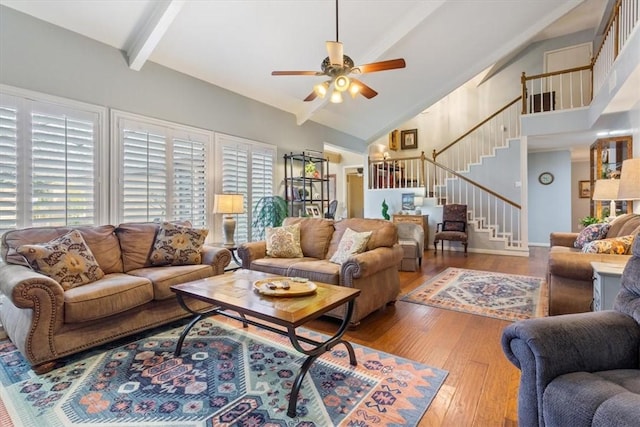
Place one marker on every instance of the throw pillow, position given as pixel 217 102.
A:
pixel 615 245
pixel 590 233
pixel 66 259
pixel 284 242
pixel 351 243
pixel 178 245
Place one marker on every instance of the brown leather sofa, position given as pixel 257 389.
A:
pixel 569 271
pixel 374 272
pixel 46 322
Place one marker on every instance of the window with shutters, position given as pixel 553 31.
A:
pixel 247 167
pixel 49 161
pixel 162 170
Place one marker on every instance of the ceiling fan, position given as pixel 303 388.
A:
pixel 338 66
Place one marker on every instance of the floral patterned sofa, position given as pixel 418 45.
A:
pixel 110 282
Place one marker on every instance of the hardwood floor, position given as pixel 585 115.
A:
pixel 481 389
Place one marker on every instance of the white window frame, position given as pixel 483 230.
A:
pixel 101 163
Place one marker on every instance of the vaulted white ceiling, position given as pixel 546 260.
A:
pixel 236 44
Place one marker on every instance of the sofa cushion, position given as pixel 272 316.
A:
pixel 113 294
pixel 590 233
pixel 384 233
pixel 352 243
pixel 100 239
pixel 178 245
pixel 164 277
pixel 615 245
pixel 284 242
pixel 323 271
pixel 315 235
pixel 277 266
pixel 66 259
pixel 624 225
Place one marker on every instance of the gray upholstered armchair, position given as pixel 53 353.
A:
pixel 581 369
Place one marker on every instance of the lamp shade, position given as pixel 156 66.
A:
pixel 606 189
pixel 630 180
pixel 228 204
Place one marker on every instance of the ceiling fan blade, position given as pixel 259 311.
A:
pixel 379 66
pixel 365 90
pixel 336 52
pixel 313 95
pixel 297 73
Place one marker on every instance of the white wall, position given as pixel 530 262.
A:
pixel 548 207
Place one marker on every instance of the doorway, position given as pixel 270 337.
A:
pixel 355 195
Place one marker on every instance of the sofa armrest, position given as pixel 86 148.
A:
pixel 370 262
pixel 562 239
pixel 546 348
pixel 26 288
pixel 218 258
pixel 248 252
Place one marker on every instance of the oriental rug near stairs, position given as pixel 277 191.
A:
pixel 226 376
pixel 503 296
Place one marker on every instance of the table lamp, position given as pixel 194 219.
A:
pixel 607 189
pixel 630 180
pixel 228 204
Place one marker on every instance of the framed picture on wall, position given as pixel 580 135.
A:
pixel 408 201
pixel 584 189
pixel 409 139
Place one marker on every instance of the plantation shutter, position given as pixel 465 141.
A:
pixel 49 171
pixel 247 169
pixel 8 166
pixel 189 180
pixel 163 171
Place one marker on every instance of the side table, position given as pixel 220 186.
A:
pixel 233 250
pixel 606 284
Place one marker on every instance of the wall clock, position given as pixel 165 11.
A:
pixel 545 178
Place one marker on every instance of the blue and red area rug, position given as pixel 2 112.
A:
pixel 486 293
pixel 226 376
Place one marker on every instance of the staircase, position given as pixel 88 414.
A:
pixel 457 173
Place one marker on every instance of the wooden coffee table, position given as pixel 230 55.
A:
pixel 233 293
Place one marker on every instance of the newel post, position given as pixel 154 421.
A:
pixel 523 80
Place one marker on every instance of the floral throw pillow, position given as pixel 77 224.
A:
pixel 284 242
pixel 590 233
pixel 178 245
pixel 351 243
pixel 66 259
pixel 615 245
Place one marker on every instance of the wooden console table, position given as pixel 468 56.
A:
pixel 421 220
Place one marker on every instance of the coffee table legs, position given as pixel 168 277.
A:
pixel 315 352
pixel 198 315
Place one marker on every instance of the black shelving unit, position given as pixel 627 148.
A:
pixel 301 190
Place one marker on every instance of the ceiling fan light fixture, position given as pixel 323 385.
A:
pixel 342 83
pixel 354 89
pixel 336 97
pixel 321 89
pixel 336 53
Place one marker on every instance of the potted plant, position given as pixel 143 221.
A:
pixel 588 220
pixel 270 211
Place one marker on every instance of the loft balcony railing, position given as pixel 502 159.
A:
pixel 575 87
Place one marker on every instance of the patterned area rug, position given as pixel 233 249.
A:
pixel 226 376
pixel 503 296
